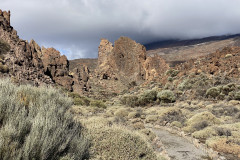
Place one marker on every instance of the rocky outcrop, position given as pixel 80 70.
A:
pixel 57 67
pixel 81 76
pixel 127 61
pixel 223 62
pixel 28 62
pixel 154 67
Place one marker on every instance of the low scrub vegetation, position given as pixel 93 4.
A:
pixel 4 68
pixel 35 124
pixel 166 96
pixel 84 101
pixel 148 97
pixel 116 142
pixel 200 121
pixel 4 47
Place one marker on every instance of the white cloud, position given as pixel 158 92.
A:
pixel 78 25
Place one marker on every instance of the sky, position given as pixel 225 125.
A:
pixel 75 27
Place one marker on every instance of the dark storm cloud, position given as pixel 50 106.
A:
pixel 75 27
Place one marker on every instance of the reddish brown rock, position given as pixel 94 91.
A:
pixel 127 61
pixel 29 63
pixel 218 63
pixel 123 61
pixel 154 67
pixel 57 67
pixel 81 77
pixel 7 15
pixel 104 50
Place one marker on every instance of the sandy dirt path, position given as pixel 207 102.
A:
pixel 179 148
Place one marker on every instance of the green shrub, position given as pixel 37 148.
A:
pixel 130 100
pixel 4 68
pixel 82 101
pixel 228 88
pixel 200 121
pixel 147 97
pixel 176 124
pixel 4 47
pixel 35 124
pixel 79 100
pixel 151 118
pixel 98 103
pixel 224 110
pixel 185 85
pixel 170 79
pixel 166 96
pixel 172 72
pixel 237 95
pixel 115 142
pixel 121 112
pixel 213 92
pixel 134 114
pixel 170 114
pixel 200 83
pixel 204 134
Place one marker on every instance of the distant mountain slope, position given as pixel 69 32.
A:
pixel 175 43
pixel 78 63
pixel 175 52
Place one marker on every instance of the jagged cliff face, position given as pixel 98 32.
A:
pixel 29 63
pixel 127 61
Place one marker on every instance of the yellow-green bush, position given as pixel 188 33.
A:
pixel 98 103
pixel 204 134
pixel 115 142
pixel 200 120
pixel 4 47
pixel 224 145
pixel 200 83
pixel 151 118
pixel 172 72
pixel 3 68
pixel 176 124
pixel 166 96
pixel 170 114
pixel 79 100
pixel 147 97
pixel 35 124
pixel 134 114
pixel 130 100
pixel 213 92
pixel 237 95
pixel 121 112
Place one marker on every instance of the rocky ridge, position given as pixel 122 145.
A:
pixel 29 63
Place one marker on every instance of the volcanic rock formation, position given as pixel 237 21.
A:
pixel 27 62
pixel 127 61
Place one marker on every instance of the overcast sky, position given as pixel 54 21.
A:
pixel 75 27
